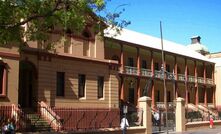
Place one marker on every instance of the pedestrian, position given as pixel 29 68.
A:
pixel 211 123
pixel 124 124
pixel 157 118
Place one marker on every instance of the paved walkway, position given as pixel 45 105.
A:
pixel 201 131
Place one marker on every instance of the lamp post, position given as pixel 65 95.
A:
pixel 163 74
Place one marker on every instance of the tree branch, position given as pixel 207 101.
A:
pixel 35 16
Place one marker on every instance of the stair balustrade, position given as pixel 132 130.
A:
pixel 48 114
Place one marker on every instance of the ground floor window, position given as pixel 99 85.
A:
pixel 81 85
pixel 2 80
pixel 100 86
pixel 60 83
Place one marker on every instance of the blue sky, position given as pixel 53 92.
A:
pixel 181 19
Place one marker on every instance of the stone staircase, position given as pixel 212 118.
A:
pixel 37 123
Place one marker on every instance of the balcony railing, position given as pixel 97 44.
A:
pixel 200 80
pixel 146 72
pixel 191 78
pixel 170 76
pixel 158 74
pixel 209 81
pixel 131 70
pixel 181 77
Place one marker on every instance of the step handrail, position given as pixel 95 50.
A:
pixel 19 117
pixel 48 114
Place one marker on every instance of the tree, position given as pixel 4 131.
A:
pixel 43 15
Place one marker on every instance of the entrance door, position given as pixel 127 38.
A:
pixel 27 85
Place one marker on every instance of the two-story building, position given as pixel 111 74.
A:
pixel 87 76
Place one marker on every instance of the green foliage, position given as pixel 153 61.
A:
pixel 42 16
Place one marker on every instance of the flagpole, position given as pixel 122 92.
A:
pixel 163 74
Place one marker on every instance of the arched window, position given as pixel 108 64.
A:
pixel 3 75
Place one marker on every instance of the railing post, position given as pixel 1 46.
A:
pixel 180 115
pixel 145 104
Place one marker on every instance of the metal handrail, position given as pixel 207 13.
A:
pixel 49 112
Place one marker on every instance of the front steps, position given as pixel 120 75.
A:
pixel 36 123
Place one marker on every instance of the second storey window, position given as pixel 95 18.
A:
pixel 167 68
pixel 130 62
pixel 81 85
pixel 60 83
pixel 144 64
pixel 100 87
pixel 156 66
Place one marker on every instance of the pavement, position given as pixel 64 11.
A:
pixel 216 130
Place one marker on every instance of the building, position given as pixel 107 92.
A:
pixel 95 73
pixel 216 57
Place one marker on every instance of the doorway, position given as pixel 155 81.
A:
pixel 27 85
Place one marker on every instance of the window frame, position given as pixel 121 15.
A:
pixel 144 64
pixel 100 88
pixel 130 61
pixel 81 85
pixel 60 92
pixel 4 80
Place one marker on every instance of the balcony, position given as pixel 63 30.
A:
pixel 170 76
pixel 191 78
pixel 146 72
pixel 200 80
pixel 158 74
pixel 209 81
pixel 181 77
pixel 131 70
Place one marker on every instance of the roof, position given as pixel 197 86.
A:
pixel 154 42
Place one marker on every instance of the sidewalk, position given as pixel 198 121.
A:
pixel 216 130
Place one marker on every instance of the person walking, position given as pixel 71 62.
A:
pixel 124 124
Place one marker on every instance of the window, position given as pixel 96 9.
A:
pixel 156 66
pixel 167 68
pixel 168 96
pixel 60 83
pixel 144 64
pixel 158 96
pixel 81 85
pixel 130 62
pixel 100 87
pixel 2 80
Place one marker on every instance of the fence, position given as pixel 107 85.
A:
pixel 193 116
pixel 134 116
pixel 5 114
pixel 160 125
pixel 87 119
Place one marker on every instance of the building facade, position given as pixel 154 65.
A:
pixel 101 73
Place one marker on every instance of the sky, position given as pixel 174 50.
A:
pixel 181 19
